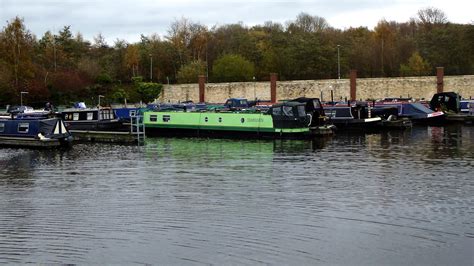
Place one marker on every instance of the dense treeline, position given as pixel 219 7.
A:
pixel 63 67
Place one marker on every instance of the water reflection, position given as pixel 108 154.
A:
pixel 396 198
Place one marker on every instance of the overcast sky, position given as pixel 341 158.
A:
pixel 127 19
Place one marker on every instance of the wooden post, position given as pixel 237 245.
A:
pixel 353 92
pixel 273 86
pixel 439 79
pixel 202 87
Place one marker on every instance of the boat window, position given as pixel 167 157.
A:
pixel 206 119
pixel 132 113
pixel 301 111
pixel 243 103
pixel 166 118
pixel 276 111
pixel 330 112
pixel 2 127
pixel 89 116
pixel 220 119
pixel 75 116
pixel 288 110
pixel 23 127
pixel 317 106
pixel 153 118
pixel 343 112
pixel 105 114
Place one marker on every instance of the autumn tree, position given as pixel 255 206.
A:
pixel 189 40
pixel 416 66
pixel 16 48
pixel 132 59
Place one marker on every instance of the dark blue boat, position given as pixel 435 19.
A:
pixel 125 114
pixel 417 112
pixel 92 120
pixel 33 132
pixel 467 106
pixel 353 117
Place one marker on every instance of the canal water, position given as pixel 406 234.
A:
pixel 398 198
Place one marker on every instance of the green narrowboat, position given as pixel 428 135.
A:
pixel 283 120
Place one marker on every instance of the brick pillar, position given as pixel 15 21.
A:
pixel 273 87
pixel 353 91
pixel 439 79
pixel 202 87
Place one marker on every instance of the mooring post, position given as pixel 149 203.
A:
pixel 202 88
pixel 353 92
pixel 439 79
pixel 273 86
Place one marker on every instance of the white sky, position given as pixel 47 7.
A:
pixel 127 19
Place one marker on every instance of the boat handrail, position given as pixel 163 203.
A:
pixel 310 119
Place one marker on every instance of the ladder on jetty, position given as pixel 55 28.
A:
pixel 137 127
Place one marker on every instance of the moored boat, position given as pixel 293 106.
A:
pixel 417 112
pixel 283 120
pixel 34 132
pixel 314 108
pixel 353 117
pixel 456 110
pixel 92 119
pixel 390 118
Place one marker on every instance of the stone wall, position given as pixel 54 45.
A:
pixel 367 88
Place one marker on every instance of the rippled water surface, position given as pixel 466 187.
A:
pixel 403 198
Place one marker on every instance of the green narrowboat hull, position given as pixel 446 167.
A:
pixel 222 124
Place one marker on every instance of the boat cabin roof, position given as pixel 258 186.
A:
pixel 288 104
pixel 75 110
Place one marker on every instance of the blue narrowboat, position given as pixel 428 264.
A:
pixel 33 132
pixel 416 112
pixel 125 113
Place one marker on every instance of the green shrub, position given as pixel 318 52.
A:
pixel 189 73
pixel 231 68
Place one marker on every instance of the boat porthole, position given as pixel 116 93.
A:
pixel 206 119
pixel 242 120
pixel 220 119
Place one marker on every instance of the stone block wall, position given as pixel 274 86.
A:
pixel 367 88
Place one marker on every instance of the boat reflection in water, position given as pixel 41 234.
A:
pixel 187 148
pixel 395 198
